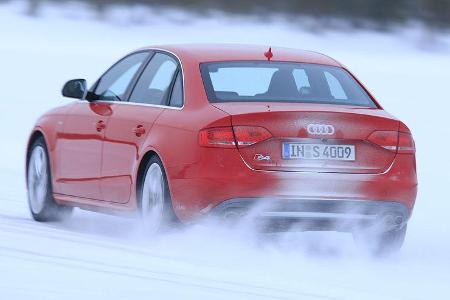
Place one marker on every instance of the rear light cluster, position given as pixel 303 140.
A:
pixel 230 137
pixel 399 142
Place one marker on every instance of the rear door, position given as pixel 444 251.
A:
pixel 82 141
pixel 131 123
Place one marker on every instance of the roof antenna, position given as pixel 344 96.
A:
pixel 268 54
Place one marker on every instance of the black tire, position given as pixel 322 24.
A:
pixel 381 243
pixel 169 218
pixel 49 210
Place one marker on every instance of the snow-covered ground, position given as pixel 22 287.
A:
pixel 102 257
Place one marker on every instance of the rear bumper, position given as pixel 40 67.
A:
pixel 314 214
pixel 221 175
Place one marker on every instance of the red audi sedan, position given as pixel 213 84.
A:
pixel 180 132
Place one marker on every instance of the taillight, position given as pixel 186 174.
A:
pixel 386 139
pixel 229 137
pixel 249 135
pixel 394 141
pixel 406 143
pixel 222 137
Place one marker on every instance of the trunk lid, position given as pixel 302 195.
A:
pixel 288 123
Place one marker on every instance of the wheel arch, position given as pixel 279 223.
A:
pixel 148 154
pixel 140 173
pixel 35 135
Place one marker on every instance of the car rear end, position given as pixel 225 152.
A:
pixel 307 147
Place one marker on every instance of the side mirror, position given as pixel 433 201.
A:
pixel 75 88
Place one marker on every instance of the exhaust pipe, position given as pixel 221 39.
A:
pixel 234 214
pixel 393 221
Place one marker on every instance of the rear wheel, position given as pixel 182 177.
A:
pixel 42 205
pixel 156 205
pixel 381 243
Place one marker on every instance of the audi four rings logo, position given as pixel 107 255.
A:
pixel 320 129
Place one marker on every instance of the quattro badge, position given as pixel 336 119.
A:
pixel 260 157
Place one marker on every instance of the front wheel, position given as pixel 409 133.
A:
pixel 155 202
pixel 42 205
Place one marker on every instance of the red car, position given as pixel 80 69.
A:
pixel 290 137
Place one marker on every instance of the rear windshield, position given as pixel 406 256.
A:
pixel 281 82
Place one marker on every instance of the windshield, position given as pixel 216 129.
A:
pixel 282 82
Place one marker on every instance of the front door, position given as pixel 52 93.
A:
pixel 80 145
pixel 84 130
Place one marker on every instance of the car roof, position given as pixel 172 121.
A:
pixel 199 53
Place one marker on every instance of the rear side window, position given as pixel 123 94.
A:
pixel 176 99
pixel 263 81
pixel 153 87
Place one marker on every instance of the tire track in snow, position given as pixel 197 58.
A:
pixel 9 224
pixel 171 278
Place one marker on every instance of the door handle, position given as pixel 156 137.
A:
pixel 100 126
pixel 139 130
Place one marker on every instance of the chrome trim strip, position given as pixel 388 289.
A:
pixel 136 104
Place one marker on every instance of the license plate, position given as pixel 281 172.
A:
pixel 318 151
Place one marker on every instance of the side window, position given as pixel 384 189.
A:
pixel 335 87
pixel 154 84
pixel 114 83
pixel 176 99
